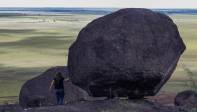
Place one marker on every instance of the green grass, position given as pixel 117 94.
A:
pixel 181 79
pixel 31 44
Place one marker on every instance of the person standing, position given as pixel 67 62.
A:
pixel 58 84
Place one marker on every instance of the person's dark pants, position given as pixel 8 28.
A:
pixel 60 96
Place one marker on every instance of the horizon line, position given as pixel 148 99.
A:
pixel 94 7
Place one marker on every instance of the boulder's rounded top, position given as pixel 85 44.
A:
pixel 133 11
pixel 134 21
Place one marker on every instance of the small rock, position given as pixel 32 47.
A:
pixel 186 98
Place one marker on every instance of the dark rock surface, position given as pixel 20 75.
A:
pixel 11 108
pixel 35 92
pixel 110 106
pixel 131 52
pixel 186 98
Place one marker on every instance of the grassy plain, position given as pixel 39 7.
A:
pixel 185 75
pixel 31 44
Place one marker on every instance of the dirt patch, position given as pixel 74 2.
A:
pixel 164 98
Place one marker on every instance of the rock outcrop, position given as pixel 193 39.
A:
pixel 35 92
pixel 131 52
pixel 186 98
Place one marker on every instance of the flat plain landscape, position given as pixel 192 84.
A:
pixel 29 45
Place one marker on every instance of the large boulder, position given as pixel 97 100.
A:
pixel 35 92
pixel 131 52
pixel 186 98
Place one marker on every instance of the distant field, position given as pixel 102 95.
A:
pixel 185 76
pixel 31 44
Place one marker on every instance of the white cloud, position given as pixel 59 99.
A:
pixel 101 3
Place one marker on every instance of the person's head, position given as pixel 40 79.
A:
pixel 59 75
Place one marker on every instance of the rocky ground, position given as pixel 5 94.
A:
pixel 162 102
pixel 115 105
pixel 163 98
pixel 110 106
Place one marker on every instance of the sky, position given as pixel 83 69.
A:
pixel 101 3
